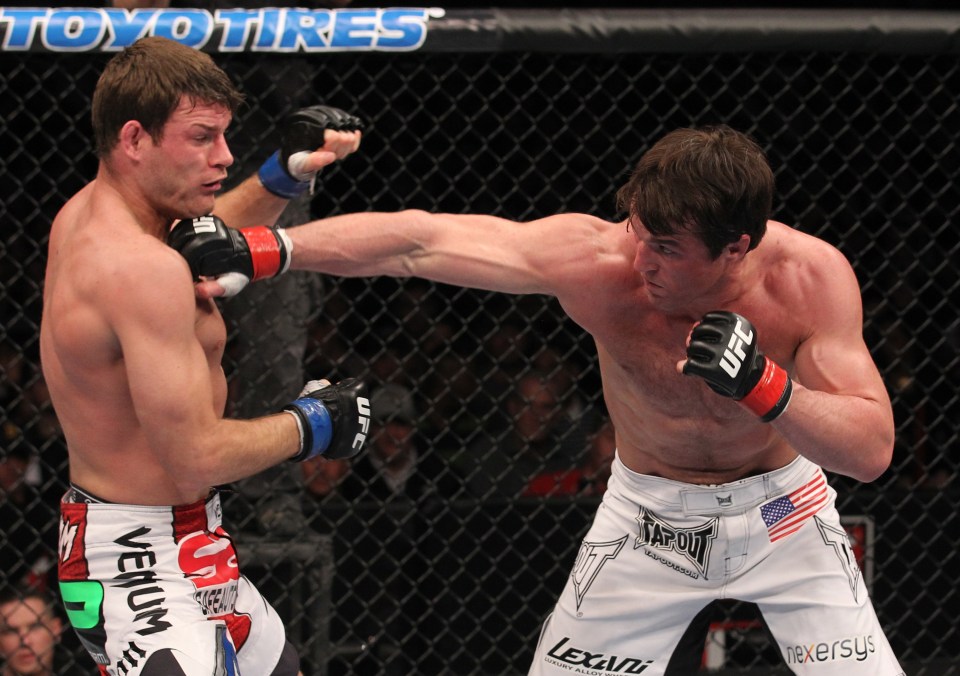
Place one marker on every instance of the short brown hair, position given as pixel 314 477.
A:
pixel 146 81
pixel 713 181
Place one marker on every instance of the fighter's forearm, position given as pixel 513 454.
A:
pixel 249 204
pixel 362 244
pixel 312 138
pixel 470 250
pixel 843 434
pixel 225 450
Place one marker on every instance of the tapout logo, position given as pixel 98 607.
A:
pixel 693 543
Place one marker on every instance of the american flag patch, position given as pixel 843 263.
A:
pixel 787 514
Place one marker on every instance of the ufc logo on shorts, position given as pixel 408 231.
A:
pixel 733 356
pixel 204 224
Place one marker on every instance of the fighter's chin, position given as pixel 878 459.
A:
pixel 660 299
pixel 198 207
pixel 656 294
pixel 205 205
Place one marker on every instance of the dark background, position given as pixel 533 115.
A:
pixel 864 146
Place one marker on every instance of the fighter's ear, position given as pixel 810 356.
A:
pixel 738 249
pixel 132 138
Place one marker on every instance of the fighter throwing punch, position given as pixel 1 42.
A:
pixel 148 576
pixel 734 369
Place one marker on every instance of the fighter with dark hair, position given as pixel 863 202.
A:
pixel 735 372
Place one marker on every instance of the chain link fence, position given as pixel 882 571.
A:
pixel 523 114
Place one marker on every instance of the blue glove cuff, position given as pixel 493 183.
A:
pixel 275 179
pixel 319 425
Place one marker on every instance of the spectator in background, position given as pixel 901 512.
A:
pixel 14 498
pixel 29 634
pixel 33 462
pixel 417 312
pixel 328 349
pixel 587 480
pixel 11 376
pixel 28 519
pixel 34 418
pixel 507 337
pixel 388 540
pixel 321 477
pixel 458 402
pixel 534 436
pixel 394 466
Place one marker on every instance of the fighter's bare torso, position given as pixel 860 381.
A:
pixel 669 424
pixel 97 250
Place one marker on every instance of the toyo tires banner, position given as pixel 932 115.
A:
pixel 225 30
pixel 433 29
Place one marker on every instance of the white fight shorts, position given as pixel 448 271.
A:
pixel 140 581
pixel 659 551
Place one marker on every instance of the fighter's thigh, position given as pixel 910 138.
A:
pixel 260 638
pixel 621 609
pixel 207 649
pixel 818 609
pixel 199 650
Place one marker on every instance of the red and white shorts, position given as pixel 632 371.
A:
pixel 139 579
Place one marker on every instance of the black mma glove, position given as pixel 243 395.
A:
pixel 283 174
pixel 723 351
pixel 234 257
pixel 333 419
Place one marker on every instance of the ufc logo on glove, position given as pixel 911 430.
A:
pixel 734 356
pixel 204 224
pixel 722 350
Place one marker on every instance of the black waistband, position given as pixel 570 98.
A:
pixel 79 495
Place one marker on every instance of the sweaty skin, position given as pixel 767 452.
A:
pixel 639 296
pixel 131 357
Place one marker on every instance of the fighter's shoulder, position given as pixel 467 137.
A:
pixel 584 255
pixel 139 273
pixel 578 223
pixel 804 253
pixel 584 233
pixel 139 256
pixel 802 269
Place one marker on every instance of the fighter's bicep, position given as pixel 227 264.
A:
pixel 508 256
pixel 838 366
pixel 164 361
pixel 833 357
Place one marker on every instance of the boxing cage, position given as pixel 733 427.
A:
pixel 521 114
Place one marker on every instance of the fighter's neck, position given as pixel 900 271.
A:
pixel 729 292
pixel 126 194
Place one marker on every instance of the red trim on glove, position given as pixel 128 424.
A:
pixel 264 251
pixel 772 394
